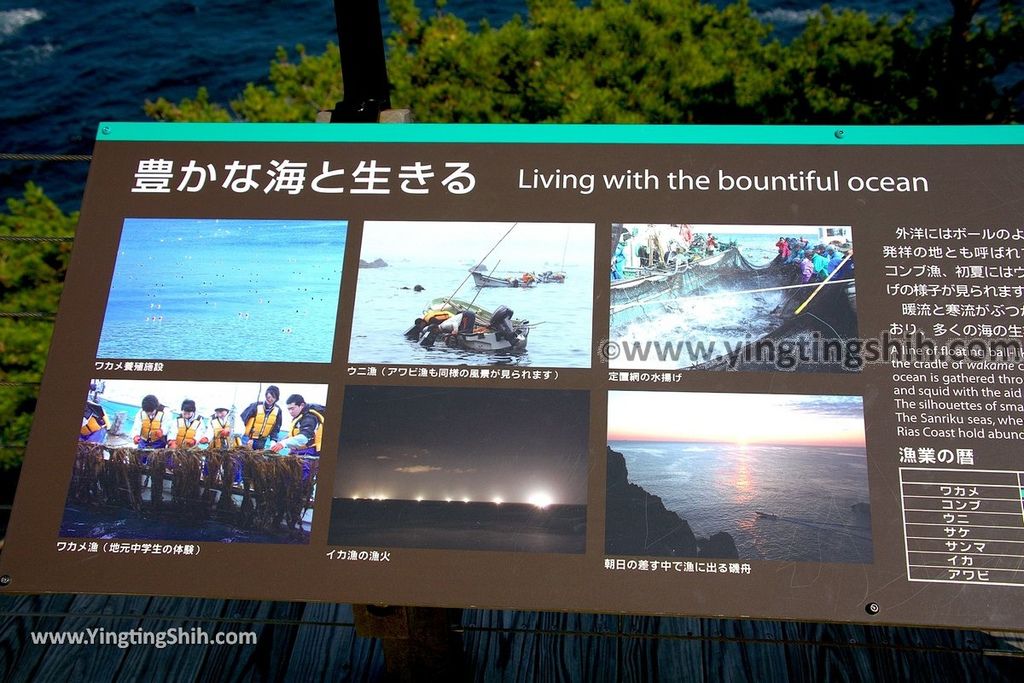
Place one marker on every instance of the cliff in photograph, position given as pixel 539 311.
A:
pixel 637 523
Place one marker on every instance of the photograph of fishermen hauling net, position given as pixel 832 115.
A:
pixel 733 297
pixel 788 481
pixel 231 462
pixel 447 293
pixel 256 290
pixel 462 469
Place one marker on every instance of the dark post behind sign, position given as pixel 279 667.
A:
pixel 363 66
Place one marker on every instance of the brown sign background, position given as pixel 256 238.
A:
pixel 973 187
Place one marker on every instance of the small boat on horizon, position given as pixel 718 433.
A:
pixel 483 280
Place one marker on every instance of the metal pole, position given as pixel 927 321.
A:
pixel 364 72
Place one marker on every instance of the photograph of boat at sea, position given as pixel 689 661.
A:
pixel 733 297
pixel 754 476
pixel 253 290
pixel 228 462
pixel 462 469
pixel 528 287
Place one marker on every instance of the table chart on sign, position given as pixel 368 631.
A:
pixel 964 526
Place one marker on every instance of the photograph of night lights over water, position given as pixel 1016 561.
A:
pixel 462 469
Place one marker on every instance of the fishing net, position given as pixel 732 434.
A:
pixel 702 291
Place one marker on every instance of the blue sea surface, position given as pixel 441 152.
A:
pixel 66 65
pixel 108 523
pixel 720 487
pixel 225 290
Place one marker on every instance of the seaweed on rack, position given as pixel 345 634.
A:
pixel 247 506
pixel 274 490
pixel 309 485
pixel 106 476
pixel 277 481
pixel 217 480
pixel 115 480
pixel 85 476
pixel 186 481
pixel 157 461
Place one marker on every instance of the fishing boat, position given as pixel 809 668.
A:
pixel 484 280
pixel 765 515
pixel 493 332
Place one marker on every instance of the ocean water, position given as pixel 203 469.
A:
pixel 719 487
pixel 66 65
pixel 717 321
pixel 251 290
pixel 123 524
pixel 384 311
pixel 510 527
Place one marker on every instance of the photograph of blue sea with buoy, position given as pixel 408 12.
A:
pixel 251 290
pixel 436 258
pixel 788 481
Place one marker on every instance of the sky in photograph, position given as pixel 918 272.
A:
pixel 736 418
pixel 525 247
pixel 512 445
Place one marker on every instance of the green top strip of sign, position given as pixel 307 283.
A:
pixel 561 134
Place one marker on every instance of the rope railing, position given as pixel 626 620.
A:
pixel 15 239
pixel 31 315
pixel 20 238
pixel 15 156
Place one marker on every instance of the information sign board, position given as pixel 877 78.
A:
pixel 768 372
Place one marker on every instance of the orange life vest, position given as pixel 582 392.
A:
pixel 261 424
pixel 317 433
pixel 150 425
pixel 187 430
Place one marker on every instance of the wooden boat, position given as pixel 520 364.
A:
pixel 484 280
pixel 489 335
